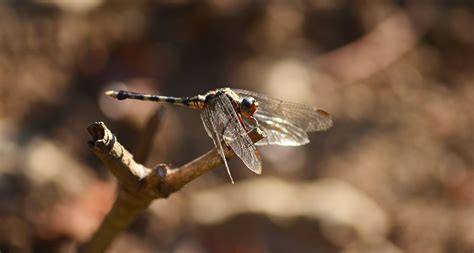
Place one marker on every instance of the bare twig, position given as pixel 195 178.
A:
pixel 139 185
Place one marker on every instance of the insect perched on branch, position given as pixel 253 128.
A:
pixel 229 114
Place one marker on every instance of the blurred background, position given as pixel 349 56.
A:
pixel 394 174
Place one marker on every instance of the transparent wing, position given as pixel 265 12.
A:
pixel 278 131
pixel 224 121
pixel 213 132
pixel 286 123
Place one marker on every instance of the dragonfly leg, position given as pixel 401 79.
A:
pixel 254 121
pixel 250 124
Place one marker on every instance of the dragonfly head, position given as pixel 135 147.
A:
pixel 248 106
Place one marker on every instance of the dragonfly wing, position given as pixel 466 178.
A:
pixel 308 118
pixel 228 124
pixel 278 131
pixel 285 123
pixel 213 130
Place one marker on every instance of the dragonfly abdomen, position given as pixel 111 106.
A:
pixel 192 102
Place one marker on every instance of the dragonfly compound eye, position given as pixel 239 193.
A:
pixel 249 105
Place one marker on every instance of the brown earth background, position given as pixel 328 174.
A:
pixel 394 174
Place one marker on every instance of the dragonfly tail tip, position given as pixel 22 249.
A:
pixel 111 93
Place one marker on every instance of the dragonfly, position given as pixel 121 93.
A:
pixel 229 115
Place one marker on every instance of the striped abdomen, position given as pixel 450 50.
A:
pixel 193 102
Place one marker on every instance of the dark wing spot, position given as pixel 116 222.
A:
pixel 323 113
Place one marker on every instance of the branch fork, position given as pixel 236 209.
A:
pixel 138 185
